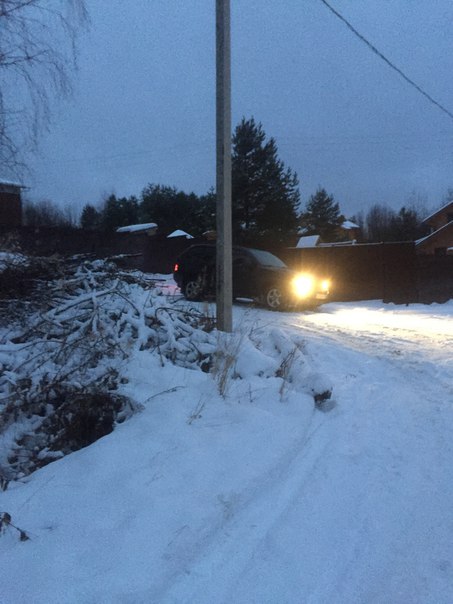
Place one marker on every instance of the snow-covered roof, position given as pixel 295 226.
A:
pixel 308 241
pixel 302 231
pixel 348 224
pixel 135 228
pixel 10 183
pixel 179 233
pixel 442 209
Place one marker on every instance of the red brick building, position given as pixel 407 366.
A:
pixel 440 240
pixel 10 204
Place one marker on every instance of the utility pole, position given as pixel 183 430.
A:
pixel 224 289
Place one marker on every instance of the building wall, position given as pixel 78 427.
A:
pixel 10 208
pixel 434 278
pixel 439 241
pixel 442 218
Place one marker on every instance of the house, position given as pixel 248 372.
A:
pixel 10 204
pixel 308 241
pixel 179 233
pixel 349 230
pixel 440 241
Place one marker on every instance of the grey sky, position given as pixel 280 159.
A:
pixel 144 106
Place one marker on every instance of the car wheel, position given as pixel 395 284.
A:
pixel 193 289
pixel 273 298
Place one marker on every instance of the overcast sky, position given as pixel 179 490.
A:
pixel 144 104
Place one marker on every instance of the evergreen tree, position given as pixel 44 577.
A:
pixel 90 217
pixel 119 212
pixel 265 194
pixel 206 213
pixel 171 209
pixel 321 216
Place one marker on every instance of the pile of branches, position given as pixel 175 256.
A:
pixel 61 367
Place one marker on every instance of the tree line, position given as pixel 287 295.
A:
pixel 265 204
pixel 36 62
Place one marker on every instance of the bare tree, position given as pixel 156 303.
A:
pixel 48 214
pixel 37 54
pixel 448 197
pixel 385 224
pixel 379 223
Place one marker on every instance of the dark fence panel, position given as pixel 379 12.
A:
pixel 434 278
pixel 392 272
pixel 399 273
pixel 46 241
pixel 384 271
pixel 154 254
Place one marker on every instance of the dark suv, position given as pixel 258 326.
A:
pixel 257 274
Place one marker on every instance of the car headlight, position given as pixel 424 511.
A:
pixel 325 285
pixel 303 285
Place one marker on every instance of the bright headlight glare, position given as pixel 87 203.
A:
pixel 325 285
pixel 303 285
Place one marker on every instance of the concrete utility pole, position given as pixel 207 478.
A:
pixel 224 287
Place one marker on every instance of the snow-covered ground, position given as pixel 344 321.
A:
pixel 259 496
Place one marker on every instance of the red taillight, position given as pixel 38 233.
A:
pixel 176 268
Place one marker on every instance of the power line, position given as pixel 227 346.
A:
pixel 384 58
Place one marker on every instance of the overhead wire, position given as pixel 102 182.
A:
pixel 138 156
pixel 386 60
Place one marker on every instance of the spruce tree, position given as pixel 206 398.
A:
pixel 265 193
pixel 321 216
pixel 171 209
pixel 118 212
pixel 90 218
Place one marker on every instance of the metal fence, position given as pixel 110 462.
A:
pixel 391 272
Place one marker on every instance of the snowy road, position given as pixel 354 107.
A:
pixel 393 373
pixel 257 496
pixel 362 508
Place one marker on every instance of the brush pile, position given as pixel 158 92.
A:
pixel 67 328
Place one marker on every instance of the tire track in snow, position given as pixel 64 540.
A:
pixel 371 455
pixel 420 456
pixel 234 544
pixel 398 452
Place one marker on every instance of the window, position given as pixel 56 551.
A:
pixel 267 259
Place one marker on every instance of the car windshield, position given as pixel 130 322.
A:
pixel 267 259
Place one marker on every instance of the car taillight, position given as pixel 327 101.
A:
pixel 176 268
